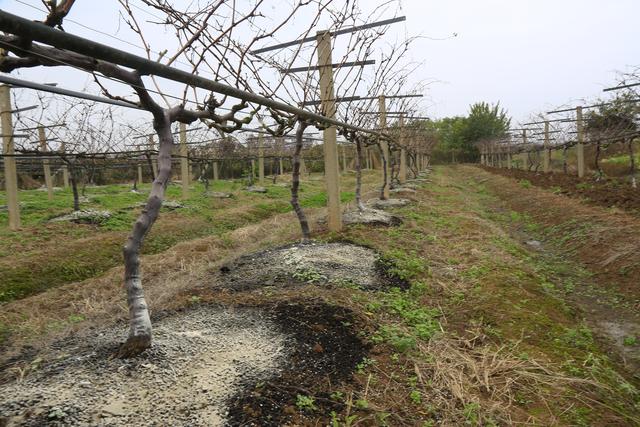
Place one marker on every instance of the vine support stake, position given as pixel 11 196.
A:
pixel 154 163
pixel 45 163
pixel 384 145
pixel 546 156
pixel 331 167
pixel 65 169
pixel 580 145
pixel 10 171
pixel 260 159
pixel 525 154
pixel 402 175
pixel 184 161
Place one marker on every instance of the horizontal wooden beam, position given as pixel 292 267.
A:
pixel 336 65
pixel 332 33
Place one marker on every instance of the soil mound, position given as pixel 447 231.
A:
pixel 322 264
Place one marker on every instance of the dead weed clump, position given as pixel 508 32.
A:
pixel 473 382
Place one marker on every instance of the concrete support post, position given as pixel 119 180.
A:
pixel 546 155
pixel 45 163
pixel 509 158
pixel 344 158
pixel 580 145
pixel 384 145
pixel 139 173
pixel 184 161
pixel 215 171
pixel 8 147
pixel 327 96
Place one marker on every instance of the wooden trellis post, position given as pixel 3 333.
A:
pixel 10 170
pixel 45 163
pixel 344 158
pixel 184 161
pixel 280 161
pixel 65 170
pixel 402 174
pixel 546 157
pixel 580 145
pixel 525 154
pixel 509 158
pixel 327 96
pixel 260 159
pixel 154 162
pixel 384 145
pixel 490 151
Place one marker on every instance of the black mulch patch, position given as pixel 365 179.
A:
pixel 327 350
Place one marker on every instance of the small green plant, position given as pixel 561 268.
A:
pixel 337 396
pixel 362 404
pixel 364 364
pixel 348 421
pixel 416 397
pixel 525 183
pixel 548 287
pixel 305 403
pixel 470 412
pixel 580 338
pixel 556 190
pixel 403 265
pixel 630 341
pixel 584 186
pixel 308 275
pixel 76 318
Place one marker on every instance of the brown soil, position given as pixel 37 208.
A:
pixel 606 192
pixel 326 353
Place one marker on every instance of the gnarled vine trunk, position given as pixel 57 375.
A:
pixel 73 179
pixel 597 162
pixel 295 182
pixel 139 337
pixel 384 173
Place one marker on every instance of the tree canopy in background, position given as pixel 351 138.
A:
pixel 457 135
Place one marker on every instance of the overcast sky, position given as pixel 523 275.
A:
pixel 528 54
pixel 531 55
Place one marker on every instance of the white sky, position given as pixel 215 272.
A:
pixel 531 55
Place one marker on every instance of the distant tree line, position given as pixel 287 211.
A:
pixel 456 135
